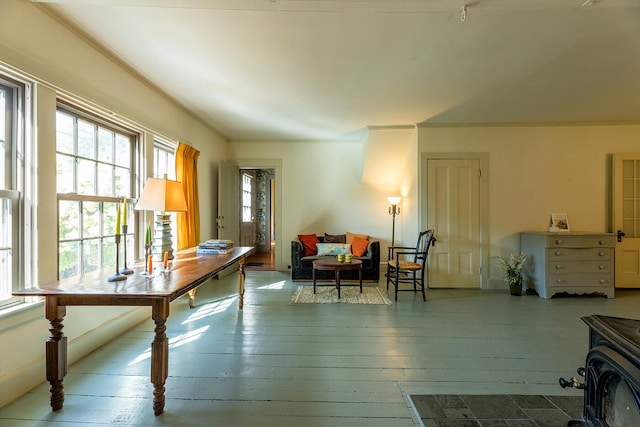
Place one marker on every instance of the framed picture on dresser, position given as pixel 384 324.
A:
pixel 559 222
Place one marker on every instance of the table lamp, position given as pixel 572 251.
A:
pixel 162 195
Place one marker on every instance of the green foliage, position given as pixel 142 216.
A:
pixel 511 267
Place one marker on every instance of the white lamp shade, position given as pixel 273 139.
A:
pixel 162 195
pixel 394 200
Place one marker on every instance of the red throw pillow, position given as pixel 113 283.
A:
pixel 359 246
pixel 309 243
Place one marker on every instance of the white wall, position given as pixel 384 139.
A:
pixel 34 44
pixel 335 187
pixel 538 170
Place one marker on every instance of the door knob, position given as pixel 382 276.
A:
pixel 621 234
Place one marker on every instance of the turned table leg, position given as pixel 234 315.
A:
pixel 159 353
pixel 241 277
pixel 56 351
pixel 192 298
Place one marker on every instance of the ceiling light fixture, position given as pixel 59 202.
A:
pixel 463 13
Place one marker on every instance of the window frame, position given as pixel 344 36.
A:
pixel 165 150
pixel 105 236
pixel 17 187
pixel 161 145
pixel 247 197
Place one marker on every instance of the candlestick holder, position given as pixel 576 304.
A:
pixel 124 269
pixel 147 254
pixel 117 276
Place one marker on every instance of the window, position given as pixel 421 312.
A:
pixel 164 159
pixel 95 171
pixel 246 197
pixel 164 164
pixel 14 259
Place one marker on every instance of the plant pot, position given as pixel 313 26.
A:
pixel 515 287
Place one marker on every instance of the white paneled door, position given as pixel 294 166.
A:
pixel 626 218
pixel 453 194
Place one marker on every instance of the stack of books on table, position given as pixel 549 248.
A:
pixel 215 246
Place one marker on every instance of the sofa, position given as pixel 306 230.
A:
pixel 302 263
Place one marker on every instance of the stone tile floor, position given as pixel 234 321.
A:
pixel 447 410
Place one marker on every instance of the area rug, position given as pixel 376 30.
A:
pixel 348 295
pixel 496 410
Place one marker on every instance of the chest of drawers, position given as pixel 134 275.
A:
pixel 575 263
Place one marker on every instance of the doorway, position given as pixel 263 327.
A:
pixel 626 219
pixel 257 226
pixel 229 200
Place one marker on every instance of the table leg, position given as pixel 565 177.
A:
pixel 241 277
pixel 56 351
pixel 360 277
pixel 338 281
pixel 313 274
pixel 192 298
pixel 159 353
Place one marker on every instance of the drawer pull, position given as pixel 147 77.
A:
pixel 558 280
pixel 601 242
pixel 559 241
pixel 558 253
pixel 558 267
pixel 601 253
pixel 602 281
pixel 601 267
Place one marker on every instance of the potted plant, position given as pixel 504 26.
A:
pixel 512 267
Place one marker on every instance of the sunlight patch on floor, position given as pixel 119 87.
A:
pixel 275 285
pixel 174 342
pixel 211 309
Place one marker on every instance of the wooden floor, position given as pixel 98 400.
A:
pixel 282 364
pixel 261 261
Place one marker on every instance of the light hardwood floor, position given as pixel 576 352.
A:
pixel 279 364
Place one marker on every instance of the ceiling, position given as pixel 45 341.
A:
pixel 322 69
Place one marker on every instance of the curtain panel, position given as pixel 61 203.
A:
pixel 187 172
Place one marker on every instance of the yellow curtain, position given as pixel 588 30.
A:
pixel 187 173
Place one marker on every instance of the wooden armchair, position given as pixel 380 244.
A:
pixel 408 265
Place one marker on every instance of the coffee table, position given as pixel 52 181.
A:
pixel 332 264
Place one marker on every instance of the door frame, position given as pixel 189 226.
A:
pixel 423 201
pixel 621 280
pixel 276 165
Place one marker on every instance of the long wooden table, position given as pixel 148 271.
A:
pixel 186 272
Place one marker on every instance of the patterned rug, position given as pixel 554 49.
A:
pixel 348 295
pixel 496 410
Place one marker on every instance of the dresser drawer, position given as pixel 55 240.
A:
pixel 580 280
pixel 570 254
pixel 573 241
pixel 574 267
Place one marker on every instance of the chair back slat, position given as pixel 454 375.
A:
pixel 425 240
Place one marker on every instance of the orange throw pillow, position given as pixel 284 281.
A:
pixel 359 246
pixel 350 236
pixel 309 243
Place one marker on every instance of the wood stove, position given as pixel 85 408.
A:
pixel 612 373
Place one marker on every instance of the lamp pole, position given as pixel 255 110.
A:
pixel 393 226
pixel 394 210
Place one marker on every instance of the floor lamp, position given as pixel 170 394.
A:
pixel 394 210
pixel 162 195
